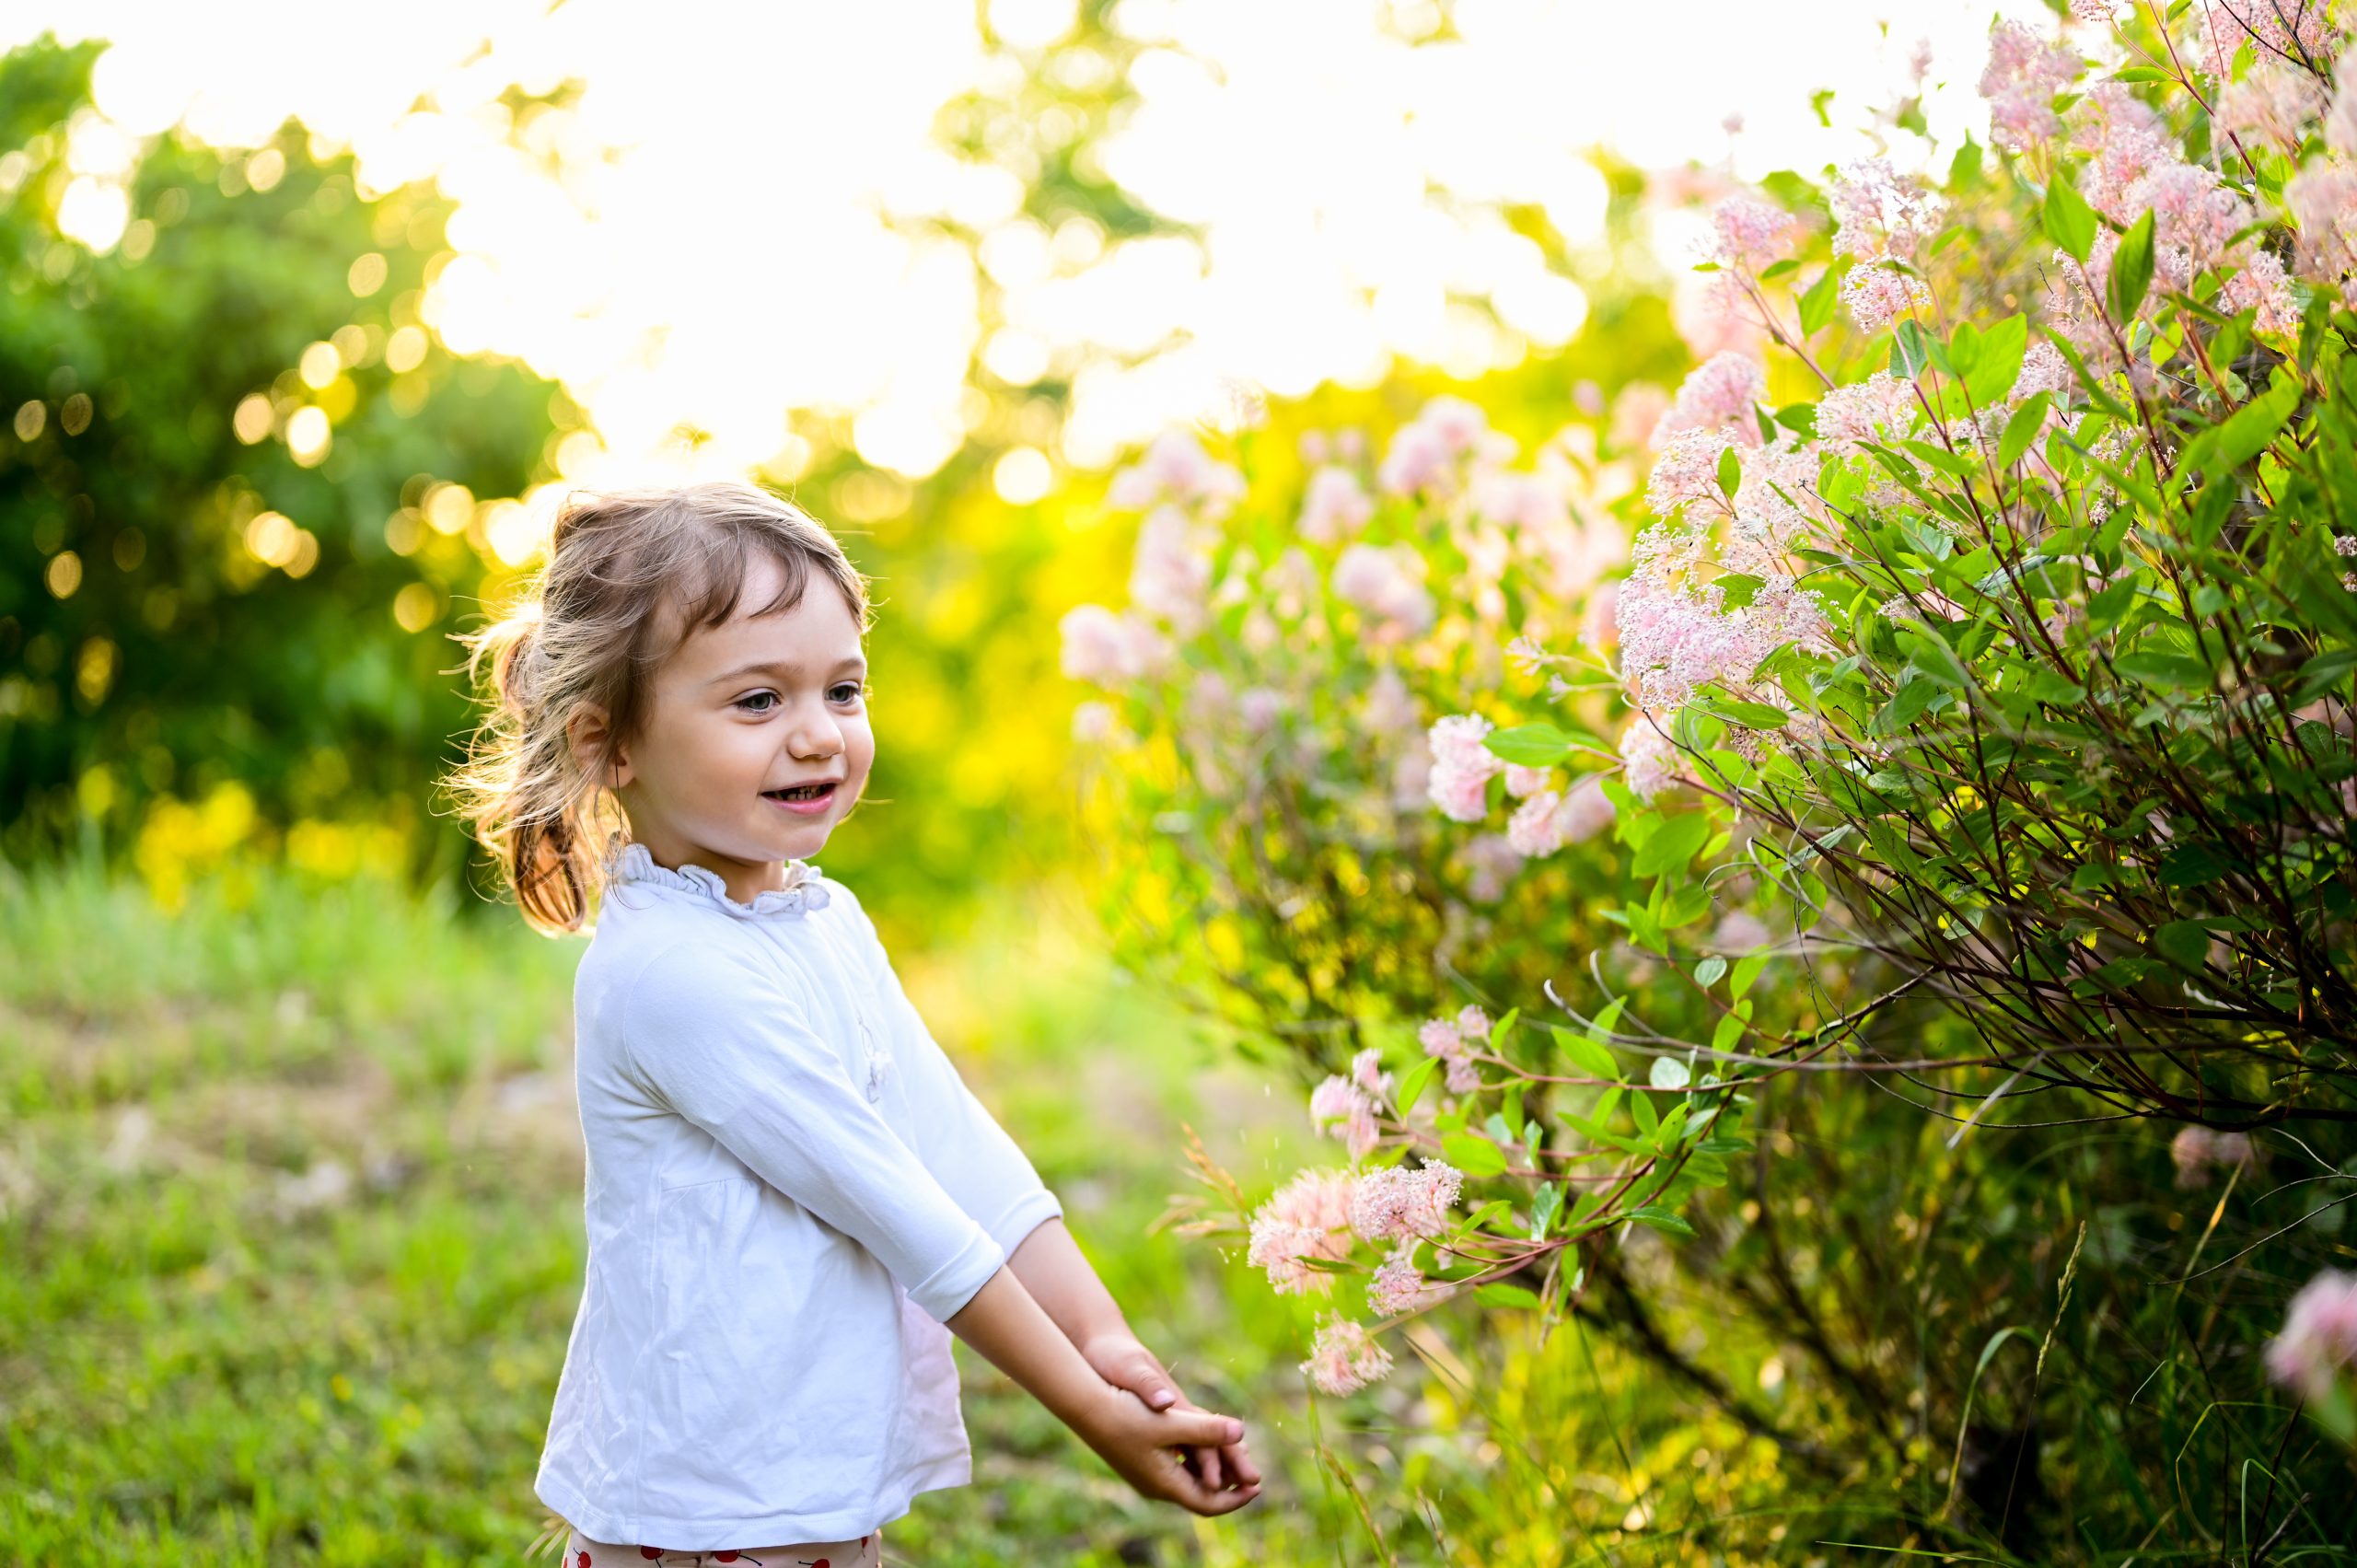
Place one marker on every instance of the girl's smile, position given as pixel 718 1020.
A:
pixel 808 800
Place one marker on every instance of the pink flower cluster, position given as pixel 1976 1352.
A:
pixel 1103 647
pixel 2025 71
pixel 1881 408
pixel 1308 1218
pixel 1176 469
pixel 1394 1202
pixel 2323 199
pixel 1334 507
pixel 1722 394
pixel 1885 222
pixel 1879 213
pixel 1426 453
pixel 2281 29
pixel 2043 370
pixel 2319 1338
pixel 1399 1286
pixel 1449 1039
pixel 1351 1103
pixel 1384 581
pixel 1648 759
pixel 1171 578
pixel 1343 1359
pixel 2197 1151
pixel 2274 101
pixel 1462 766
pixel 1688 469
pixel 1747 233
pixel 1676 636
pixel 1547 822
pixel 1879 291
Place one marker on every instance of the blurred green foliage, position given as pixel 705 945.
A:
pixel 191 599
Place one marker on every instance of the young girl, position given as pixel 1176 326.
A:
pixel 792 1198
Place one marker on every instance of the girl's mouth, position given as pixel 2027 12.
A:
pixel 808 799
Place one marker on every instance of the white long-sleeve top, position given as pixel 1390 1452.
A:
pixel 789 1189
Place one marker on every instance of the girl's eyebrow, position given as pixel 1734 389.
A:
pixel 785 666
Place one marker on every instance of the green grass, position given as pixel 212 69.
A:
pixel 292 1215
pixel 290 1202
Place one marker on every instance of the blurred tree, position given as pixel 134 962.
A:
pixel 238 480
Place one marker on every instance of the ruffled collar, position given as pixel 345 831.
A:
pixel 805 889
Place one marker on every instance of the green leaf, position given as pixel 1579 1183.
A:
pixel 1498 1294
pixel 2162 670
pixel 2254 424
pixel 1907 705
pixel 2118 972
pixel 1730 1031
pixel 1707 972
pixel 1730 471
pixel 2070 222
pixel 1668 1073
pixel 1502 1028
pixel 2023 428
pixel 2131 269
pixel 1818 303
pixel 2191 865
pixel 1593 1060
pixel 2046 686
pixel 1751 715
pixel 1473 1155
pixel 1531 745
pixel 2322 673
pixel 1599 1029
pixel 1640 1106
pixel 2002 347
pixel 2185 942
pixel 1544 1205
pixel 1661 1220
pixel 1412 1082
pixel 1746 972
pixel 1910 352
pixel 1673 846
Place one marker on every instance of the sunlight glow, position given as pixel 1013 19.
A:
pixel 736 234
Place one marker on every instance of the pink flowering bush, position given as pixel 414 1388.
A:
pixel 1970 711
pixel 1286 701
pixel 2024 654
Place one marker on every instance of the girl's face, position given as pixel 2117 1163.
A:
pixel 739 714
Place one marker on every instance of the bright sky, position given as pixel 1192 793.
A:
pixel 737 258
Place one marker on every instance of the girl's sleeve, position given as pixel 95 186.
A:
pixel 724 1043
pixel 964 1147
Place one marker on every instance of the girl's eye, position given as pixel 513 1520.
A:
pixel 758 696
pixel 851 689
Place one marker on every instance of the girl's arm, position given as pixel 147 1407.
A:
pixel 1014 1333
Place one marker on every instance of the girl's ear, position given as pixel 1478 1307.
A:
pixel 587 733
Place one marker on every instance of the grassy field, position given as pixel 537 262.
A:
pixel 290 1197
pixel 290 1202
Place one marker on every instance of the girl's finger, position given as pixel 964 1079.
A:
pixel 1240 1468
pixel 1213 1477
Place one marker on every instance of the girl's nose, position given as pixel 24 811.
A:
pixel 817 736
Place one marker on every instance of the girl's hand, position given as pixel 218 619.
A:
pixel 1123 1361
pixel 1147 1448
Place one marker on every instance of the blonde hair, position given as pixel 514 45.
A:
pixel 590 628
